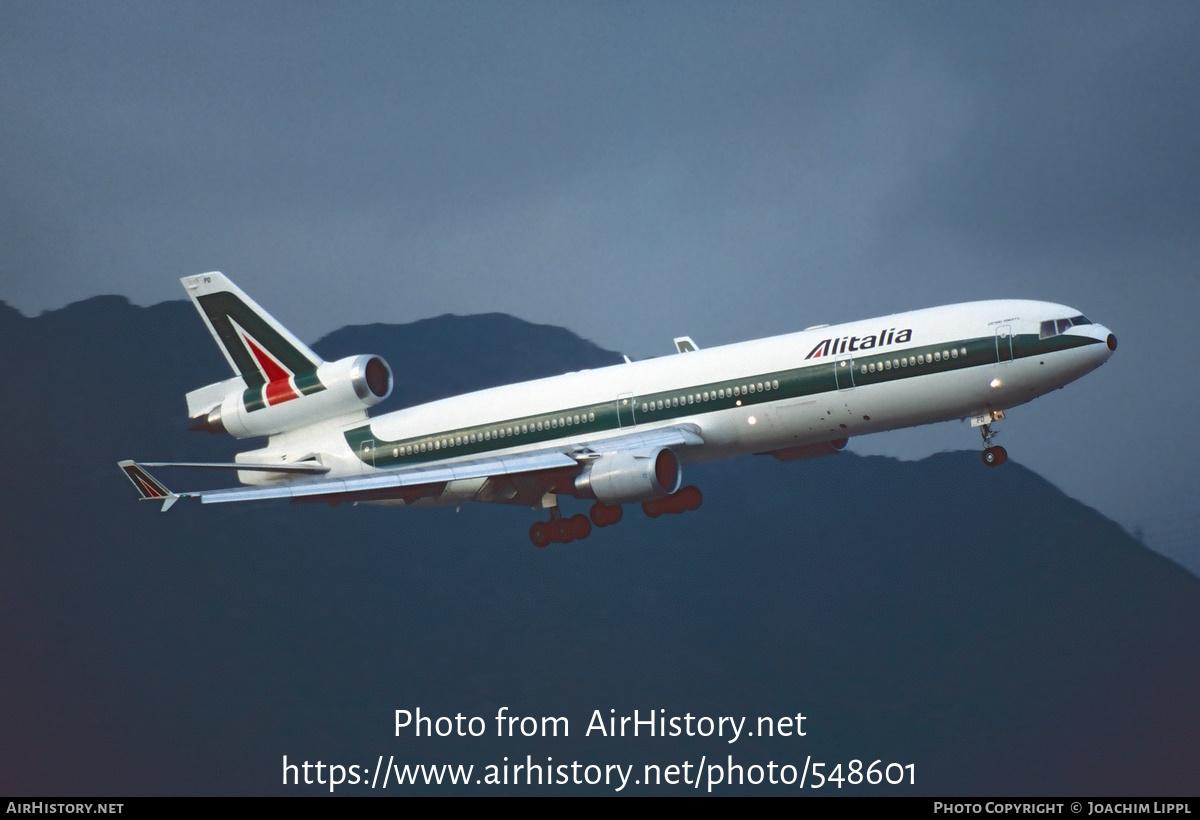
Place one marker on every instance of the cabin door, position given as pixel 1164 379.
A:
pixel 843 372
pixel 1004 344
pixel 625 415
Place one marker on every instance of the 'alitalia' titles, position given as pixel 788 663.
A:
pixel 850 344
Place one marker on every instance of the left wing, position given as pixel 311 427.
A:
pixel 391 484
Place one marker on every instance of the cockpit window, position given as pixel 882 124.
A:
pixel 1053 327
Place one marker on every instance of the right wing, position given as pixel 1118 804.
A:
pixel 392 484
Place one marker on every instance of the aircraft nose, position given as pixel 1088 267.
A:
pixel 1102 334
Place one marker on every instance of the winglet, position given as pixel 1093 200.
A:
pixel 150 488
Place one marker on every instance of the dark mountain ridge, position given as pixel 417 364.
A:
pixel 979 624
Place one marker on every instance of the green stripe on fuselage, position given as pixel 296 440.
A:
pixel 594 418
pixel 809 380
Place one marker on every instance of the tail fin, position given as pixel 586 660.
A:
pixel 257 347
pixel 150 488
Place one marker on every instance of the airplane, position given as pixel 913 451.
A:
pixel 614 435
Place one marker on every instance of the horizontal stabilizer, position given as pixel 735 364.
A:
pixel 204 399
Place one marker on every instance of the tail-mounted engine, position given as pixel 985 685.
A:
pixel 329 391
pixel 623 478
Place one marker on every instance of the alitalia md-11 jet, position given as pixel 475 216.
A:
pixel 614 435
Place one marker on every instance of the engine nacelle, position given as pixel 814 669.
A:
pixel 334 389
pixel 623 478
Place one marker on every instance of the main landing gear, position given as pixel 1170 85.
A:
pixel 684 500
pixel 605 515
pixel 560 530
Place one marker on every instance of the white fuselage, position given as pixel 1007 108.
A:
pixel 815 386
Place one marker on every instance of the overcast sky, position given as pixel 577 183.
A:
pixel 636 171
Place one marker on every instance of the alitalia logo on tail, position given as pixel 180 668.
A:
pixel 850 344
pixel 275 366
pixel 279 386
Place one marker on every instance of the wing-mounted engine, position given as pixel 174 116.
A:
pixel 630 476
pixel 332 390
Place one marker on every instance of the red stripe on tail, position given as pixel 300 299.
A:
pixel 279 386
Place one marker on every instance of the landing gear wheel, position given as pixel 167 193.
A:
pixel 580 527
pixel 652 508
pixel 605 515
pixel 562 530
pixel 691 498
pixel 539 534
pixel 995 456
